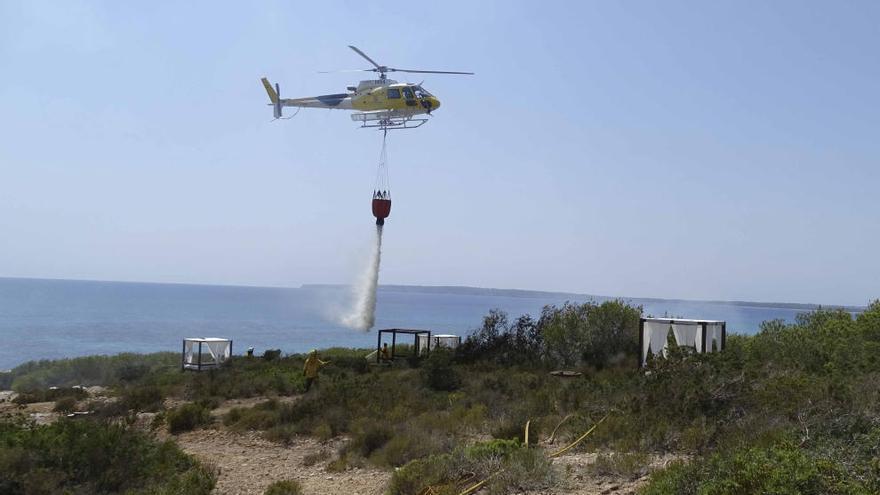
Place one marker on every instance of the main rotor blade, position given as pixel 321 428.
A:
pixel 345 70
pixel 362 54
pixel 429 71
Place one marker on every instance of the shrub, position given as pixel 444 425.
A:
pixel 435 471
pixel 87 456
pixel 260 417
pixel 92 370
pixel 590 333
pixel 315 457
pixel 271 354
pixel 49 395
pixel 132 372
pixel 187 417
pixel 501 342
pixel 372 438
pixel 142 398
pixel 286 487
pixel 406 445
pixel 506 465
pixel 622 465
pixel 572 335
pixel 65 405
pixel 781 469
pixel 438 372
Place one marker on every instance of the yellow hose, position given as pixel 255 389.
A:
pixel 477 486
pixel 553 435
pixel 565 449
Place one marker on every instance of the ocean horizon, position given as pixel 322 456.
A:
pixel 53 319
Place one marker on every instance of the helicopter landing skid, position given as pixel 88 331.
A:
pixel 387 123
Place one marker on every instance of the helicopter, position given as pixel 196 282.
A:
pixel 383 103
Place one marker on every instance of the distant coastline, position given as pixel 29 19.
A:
pixel 465 290
pixel 485 291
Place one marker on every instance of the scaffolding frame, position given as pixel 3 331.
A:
pixel 415 333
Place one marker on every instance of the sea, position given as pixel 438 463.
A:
pixel 52 319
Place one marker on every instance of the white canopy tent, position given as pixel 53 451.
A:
pixel 701 335
pixel 428 342
pixel 201 353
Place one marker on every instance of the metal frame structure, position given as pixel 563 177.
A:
pixel 703 324
pixel 199 366
pixel 405 331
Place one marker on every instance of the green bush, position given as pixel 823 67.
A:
pixel 272 354
pixel 407 444
pixel 501 342
pixel 507 466
pixel 286 487
pixel 138 398
pixel 85 456
pixel 65 404
pixel 621 465
pixel 91 370
pixel 591 334
pixel 781 469
pixel 187 417
pixel 438 372
pixel 373 437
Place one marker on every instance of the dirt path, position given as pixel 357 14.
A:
pixel 248 464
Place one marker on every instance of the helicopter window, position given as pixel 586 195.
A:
pixel 407 93
pixel 422 92
pixel 393 92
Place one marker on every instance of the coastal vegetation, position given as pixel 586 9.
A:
pixel 792 409
pixel 84 457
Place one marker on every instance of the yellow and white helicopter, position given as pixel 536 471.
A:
pixel 382 103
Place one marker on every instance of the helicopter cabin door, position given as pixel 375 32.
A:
pixel 409 96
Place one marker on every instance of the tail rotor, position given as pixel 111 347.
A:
pixel 274 97
pixel 277 102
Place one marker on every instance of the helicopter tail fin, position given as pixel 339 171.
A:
pixel 274 97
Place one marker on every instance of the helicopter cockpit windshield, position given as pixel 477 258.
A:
pixel 422 92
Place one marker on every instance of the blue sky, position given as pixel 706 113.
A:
pixel 711 150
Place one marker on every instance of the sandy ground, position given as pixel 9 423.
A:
pixel 248 464
pixel 41 412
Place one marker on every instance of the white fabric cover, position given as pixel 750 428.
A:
pixel 713 334
pixel 655 338
pixel 685 334
pixel 188 351
pixel 219 349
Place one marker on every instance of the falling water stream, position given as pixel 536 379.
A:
pixel 363 315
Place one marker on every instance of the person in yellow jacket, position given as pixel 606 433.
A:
pixel 311 367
